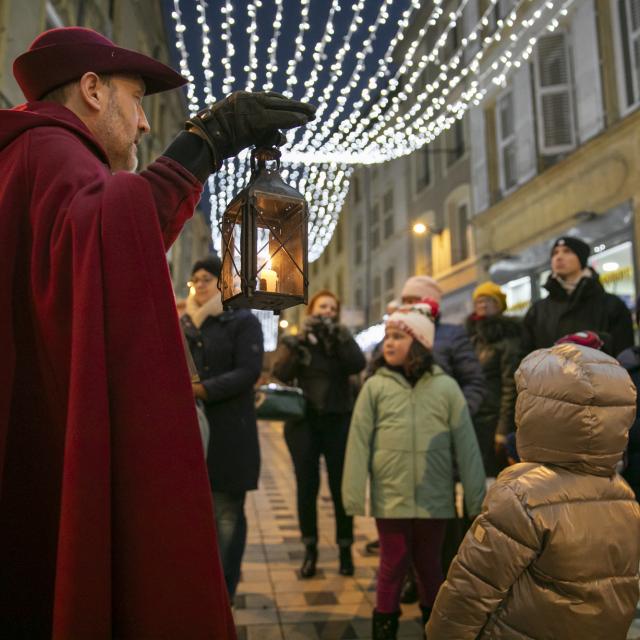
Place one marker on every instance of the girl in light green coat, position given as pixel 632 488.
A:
pixel 409 425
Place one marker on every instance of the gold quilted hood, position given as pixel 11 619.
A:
pixel 574 409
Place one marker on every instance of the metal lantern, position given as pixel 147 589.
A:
pixel 264 241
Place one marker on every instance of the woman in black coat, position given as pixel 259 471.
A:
pixel 497 340
pixel 320 359
pixel 227 349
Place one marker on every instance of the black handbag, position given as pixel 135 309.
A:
pixel 278 402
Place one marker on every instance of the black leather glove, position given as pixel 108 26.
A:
pixel 245 119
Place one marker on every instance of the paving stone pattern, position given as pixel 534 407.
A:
pixel 273 602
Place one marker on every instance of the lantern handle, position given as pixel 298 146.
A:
pixel 261 155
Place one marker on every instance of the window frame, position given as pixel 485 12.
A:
pixel 502 143
pixel 558 89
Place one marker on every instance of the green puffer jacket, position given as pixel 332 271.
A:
pixel 405 438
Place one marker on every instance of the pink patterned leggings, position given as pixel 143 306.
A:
pixel 404 541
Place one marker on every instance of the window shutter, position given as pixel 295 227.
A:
pixel 586 63
pixel 506 141
pixel 524 124
pixel 553 95
pixel 479 172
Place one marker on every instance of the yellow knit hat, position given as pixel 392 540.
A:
pixel 491 290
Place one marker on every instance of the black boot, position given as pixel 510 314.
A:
pixel 426 614
pixel 346 562
pixel 308 568
pixel 385 625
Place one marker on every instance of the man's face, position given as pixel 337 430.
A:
pixel 123 122
pixel 564 262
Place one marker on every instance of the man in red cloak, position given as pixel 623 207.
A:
pixel 106 520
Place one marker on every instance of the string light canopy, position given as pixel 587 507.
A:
pixel 387 77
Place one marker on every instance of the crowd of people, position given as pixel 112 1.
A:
pixel 109 515
pixel 437 404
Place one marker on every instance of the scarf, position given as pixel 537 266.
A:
pixel 570 286
pixel 198 313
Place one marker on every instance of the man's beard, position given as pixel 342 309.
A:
pixel 119 153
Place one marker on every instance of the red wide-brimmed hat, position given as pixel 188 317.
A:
pixel 62 55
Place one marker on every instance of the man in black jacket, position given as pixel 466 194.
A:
pixel 576 302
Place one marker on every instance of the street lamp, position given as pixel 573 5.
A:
pixel 264 241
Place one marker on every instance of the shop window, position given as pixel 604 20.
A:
pixel 614 266
pixel 518 294
pixel 554 102
pixel 327 255
pixel 375 227
pixel 459 226
pixel 507 148
pixel 358 299
pixel 387 203
pixel 339 238
pixel 629 20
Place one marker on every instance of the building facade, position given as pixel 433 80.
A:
pixel 558 154
pixel 135 25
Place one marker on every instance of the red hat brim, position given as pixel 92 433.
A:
pixel 41 70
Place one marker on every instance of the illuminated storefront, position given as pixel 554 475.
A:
pixel 610 235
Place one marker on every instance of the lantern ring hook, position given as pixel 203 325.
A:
pixel 261 155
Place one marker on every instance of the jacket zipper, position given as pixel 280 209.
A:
pixel 413 452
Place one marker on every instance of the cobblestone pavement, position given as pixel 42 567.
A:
pixel 273 603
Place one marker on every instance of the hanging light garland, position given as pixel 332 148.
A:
pixel 407 101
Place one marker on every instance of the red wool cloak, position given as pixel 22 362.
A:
pixel 106 519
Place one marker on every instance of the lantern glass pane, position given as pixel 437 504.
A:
pixel 280 226
pixel 231 251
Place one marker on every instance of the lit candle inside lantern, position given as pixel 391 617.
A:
pixel 268 279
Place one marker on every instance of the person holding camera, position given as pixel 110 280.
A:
pixel 320 360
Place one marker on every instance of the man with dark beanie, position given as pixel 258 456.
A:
pixel 577 301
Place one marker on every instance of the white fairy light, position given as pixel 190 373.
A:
pixel 252 63
pixel 272 65
pixel 227 22
pixel 180 28
pixel 299 48
pixel 206 55
pixel 393 114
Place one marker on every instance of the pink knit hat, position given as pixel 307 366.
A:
pixel 422 287
pixel 417 320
